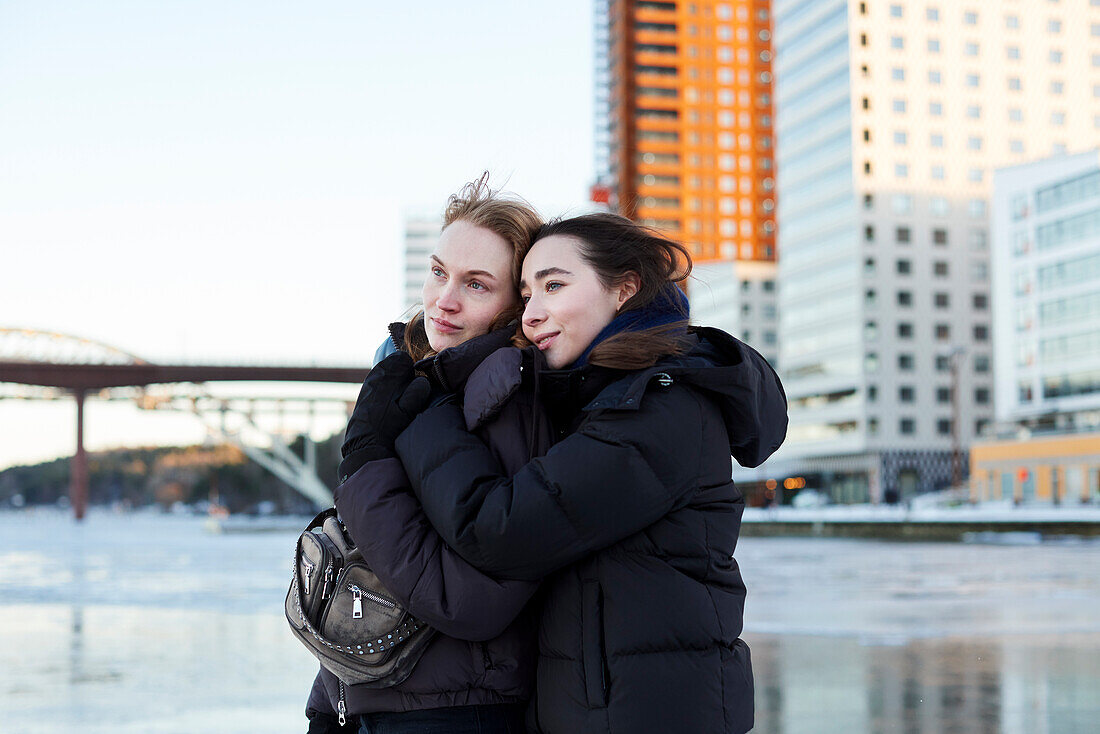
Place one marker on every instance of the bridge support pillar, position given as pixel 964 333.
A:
pixel 78 466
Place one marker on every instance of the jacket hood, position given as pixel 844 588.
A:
pixel 734 375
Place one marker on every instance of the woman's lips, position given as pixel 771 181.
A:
pixel 444 327
pixel 544 341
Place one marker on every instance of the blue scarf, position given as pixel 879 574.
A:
pixel 670 306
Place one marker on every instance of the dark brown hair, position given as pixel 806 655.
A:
pixel 506 215
pixel 617 248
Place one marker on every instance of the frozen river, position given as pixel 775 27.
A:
pixel 146 623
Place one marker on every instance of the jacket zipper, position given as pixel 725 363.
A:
pixel 342 706
pixel 309 571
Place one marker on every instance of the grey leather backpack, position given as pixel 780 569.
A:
pixel 343 614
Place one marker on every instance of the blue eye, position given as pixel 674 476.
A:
pixel 437 272
pixel 477 286
pixel 525 299
pixel 553 286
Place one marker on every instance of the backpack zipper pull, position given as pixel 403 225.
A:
pixel 342 707
pixel 356 603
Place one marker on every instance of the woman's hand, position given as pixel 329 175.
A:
pixel 390 398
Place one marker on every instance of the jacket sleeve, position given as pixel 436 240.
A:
pixel 398 542
pixel 620 472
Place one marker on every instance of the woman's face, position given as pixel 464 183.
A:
pixel 566 304
pixel 469 283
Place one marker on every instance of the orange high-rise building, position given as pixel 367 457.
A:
pixel 684 121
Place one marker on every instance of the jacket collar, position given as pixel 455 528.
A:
pixel 448 370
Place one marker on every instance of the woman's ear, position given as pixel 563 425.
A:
pixel 628 288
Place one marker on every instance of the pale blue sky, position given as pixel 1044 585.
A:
pixel 225 180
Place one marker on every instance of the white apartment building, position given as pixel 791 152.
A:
pixel 738 297
pixel 890 118
pixel 1046 292
pixel 421 235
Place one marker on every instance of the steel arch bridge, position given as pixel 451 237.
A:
pixel 51 347
pixel 51 365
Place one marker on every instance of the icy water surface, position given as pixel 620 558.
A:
pixel 146 623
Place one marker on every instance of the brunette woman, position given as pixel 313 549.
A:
pixel 477 674
pixel 631 516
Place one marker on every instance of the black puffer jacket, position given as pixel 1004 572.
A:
pixel 485 652
pixel 635 516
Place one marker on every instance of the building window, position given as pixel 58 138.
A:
pixel 901 203
pixel 907 426
pixel 932 14
pixel 899 106
pixel 935 77
pixel 905 298
pixel 974 175
pixel 869 233
pixel 868 201
pixel 897 42
pixel 939 236
pixel 981 333
pixel 1016 145
pixel 870 362
pixel 897 74
pixel 936 140
pixel 981 302
pixel 935 109
pixel 939 269
pixel 901 170
pixel 970 49
pixel 1054 26
pixel 970 18
pixel 895 11
pixel 902 235
pixel 1058 119
pixel 976 207
pixel 869 266
pixel 939 207
pixel 943 332
pixel 904 267
pixel 869 297
pixel 1014 84
pixel 943 426
pixel 981 363
pixel 976 239
pixel 1015 114
pixel 907 394
pixel 943 363
pixel 943 395
pixel 933 45
pixel 906 361
pixel 937 173
pixel 1012 21
pixel 1057 87
pixel 1055 56
pixel 942 300
pixel 974 112
pixel 905 330
pixel 872 393
pixel 974 143
pixel 981 395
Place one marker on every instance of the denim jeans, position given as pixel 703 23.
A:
pixel 503 718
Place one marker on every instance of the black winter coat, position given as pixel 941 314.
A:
pixel 635 516
pixel 485 652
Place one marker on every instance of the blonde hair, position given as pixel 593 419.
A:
pixel 504 214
